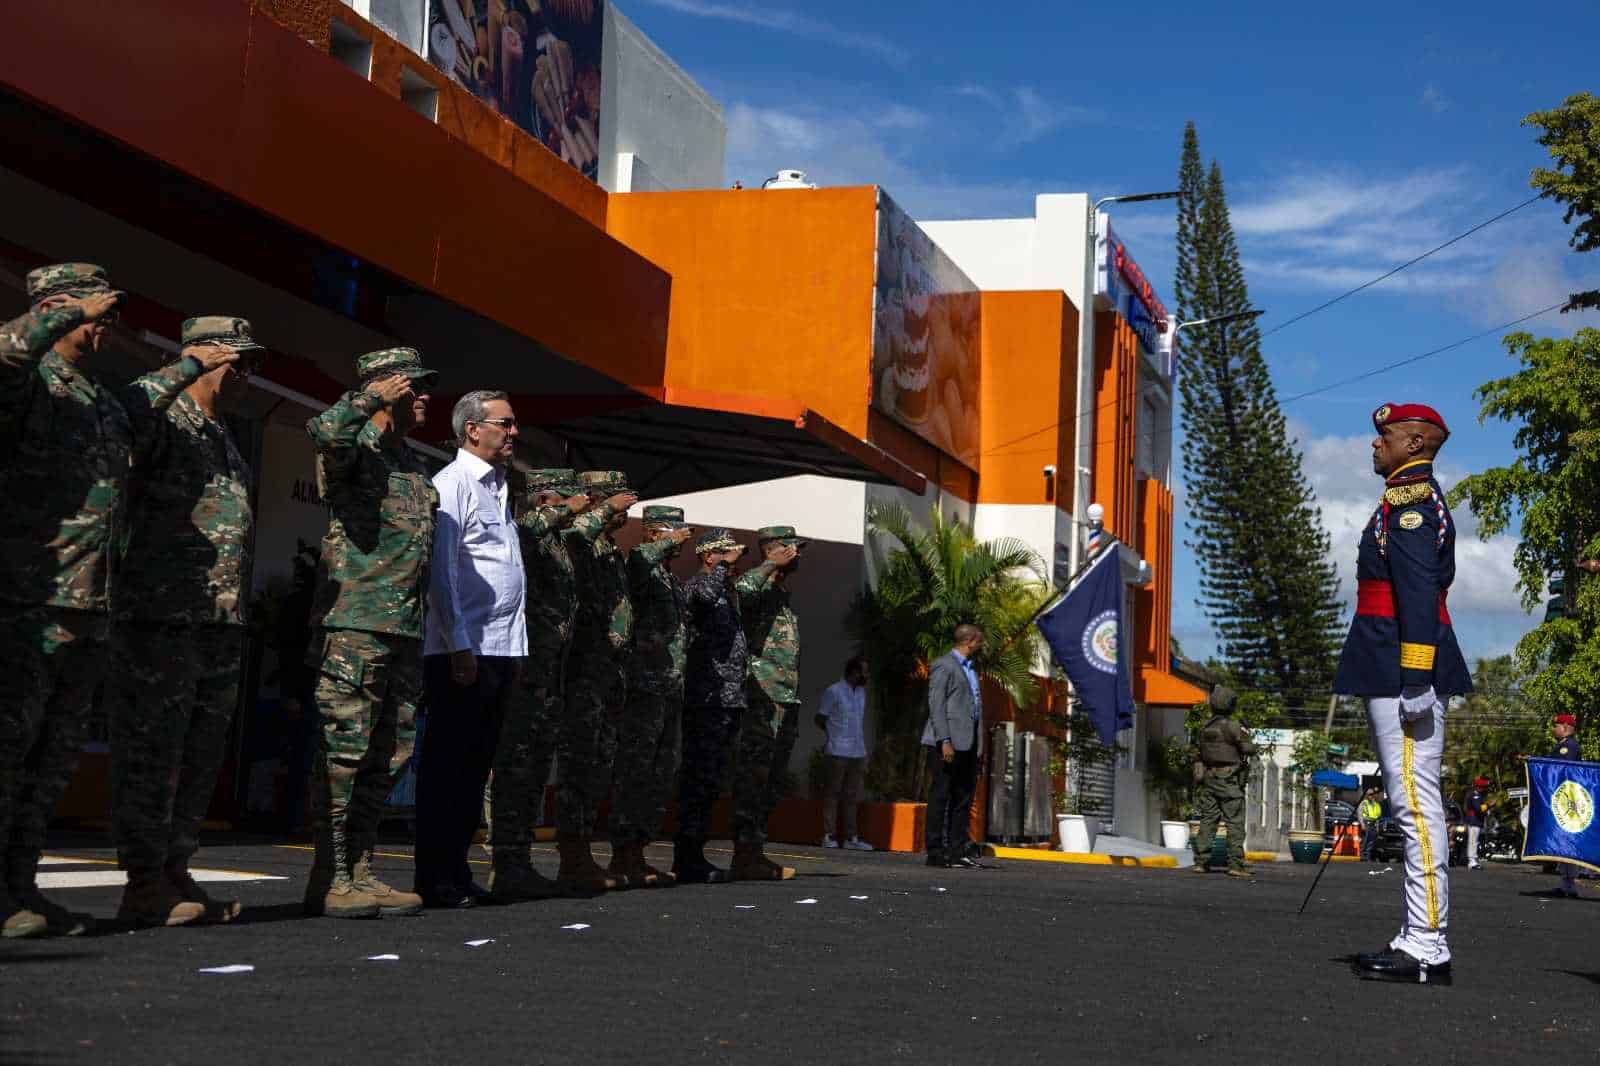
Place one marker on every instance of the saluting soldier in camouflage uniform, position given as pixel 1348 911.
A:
pixel 368 644
pixel 546 502
pixel 596 683
pixel 647 743
pixel 770 723
pixel 68 442
pixel 179 631
pixel 713 698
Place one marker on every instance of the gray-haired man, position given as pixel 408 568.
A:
pixel 476 640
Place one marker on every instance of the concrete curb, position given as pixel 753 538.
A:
pixel 1081 858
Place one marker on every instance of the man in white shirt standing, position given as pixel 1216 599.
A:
pixel 842 716
pixel 476 641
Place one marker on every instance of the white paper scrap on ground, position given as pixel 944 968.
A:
pixel 744 906
pixel 806 900
pixel 237 967
pixel 479 943
pixel 936 888
pixel 858 897
pixel 577 926
pixel 383 958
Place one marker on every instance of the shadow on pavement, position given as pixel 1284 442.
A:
pixel 1592 978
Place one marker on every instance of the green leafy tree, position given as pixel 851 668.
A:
pixel 933 578
pixel 1572 135
pixel 1491 731
pixel 1254 525
pixel 1552 493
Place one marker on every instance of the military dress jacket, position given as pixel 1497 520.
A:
pixel 373 574
pixel 717 662
pixel 1401 636
pixel 68 441
pixel 772 630
pixel 1568 748
pixel 189 524
pixel 660 613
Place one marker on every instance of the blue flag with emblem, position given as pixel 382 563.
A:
pixel 1085 632
pixel 1562 822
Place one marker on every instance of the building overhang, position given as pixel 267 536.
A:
pixel 1159 689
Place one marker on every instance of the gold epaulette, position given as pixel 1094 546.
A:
pixel 1402 495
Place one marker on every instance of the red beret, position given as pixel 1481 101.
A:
pixel 1566 719
pixel 1480 782
pixel 1407 412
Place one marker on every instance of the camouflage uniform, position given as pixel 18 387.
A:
pixel 368 648
pixel 647 747
pixel 770 723
pixel 1219 794
pixel 67 442
pixel 596 679
pixel 714 686
pixel 515 792
pixel 180 624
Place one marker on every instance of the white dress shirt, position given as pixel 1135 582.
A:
pixel 845 708
pixel 476 589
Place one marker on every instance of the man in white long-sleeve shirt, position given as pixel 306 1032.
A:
pixel 476 640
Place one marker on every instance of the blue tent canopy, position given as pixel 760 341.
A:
pixel 1335 779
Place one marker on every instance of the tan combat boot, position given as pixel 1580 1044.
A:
pixel 22 886
pixel 513 879
pixel 220 911
pixel 579 874
pixel 329 890
pixel 392 903
pixel 750 863
pixel 149 901
pixel 19 921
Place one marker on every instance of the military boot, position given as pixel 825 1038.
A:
pixel 148 900
pixel 579 874
pixel 22 885
pixel 750 863
pixel 19 921
pixel 329 890
pixel 219 911
pixel 628 865
pixel 513 879
pixel 392 903
pixel 690 865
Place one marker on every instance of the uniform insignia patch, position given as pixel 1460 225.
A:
pixel 1411 520
pixel 1382 414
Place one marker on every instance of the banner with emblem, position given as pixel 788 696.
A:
pixel 1085 633
pixel 1562 826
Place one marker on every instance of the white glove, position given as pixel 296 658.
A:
pixel 1416 704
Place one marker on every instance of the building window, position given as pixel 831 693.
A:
pixel 404 20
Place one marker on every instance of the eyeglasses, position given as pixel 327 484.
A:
pixel 503 423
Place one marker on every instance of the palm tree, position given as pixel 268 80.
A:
pixel 936 577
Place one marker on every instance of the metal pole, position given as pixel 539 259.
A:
pixel 1327 725
pixel 1326 859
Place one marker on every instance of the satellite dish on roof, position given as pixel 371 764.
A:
pixel 788 179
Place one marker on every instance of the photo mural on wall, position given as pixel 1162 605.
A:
pixel 925 337
pixel 537 62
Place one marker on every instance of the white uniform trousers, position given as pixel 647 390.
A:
pixel 1410 754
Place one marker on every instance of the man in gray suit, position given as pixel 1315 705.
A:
pixel 954 739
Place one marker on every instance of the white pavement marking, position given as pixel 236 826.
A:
pixel 117 878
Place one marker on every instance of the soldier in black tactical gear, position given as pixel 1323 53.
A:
pixel 1220 776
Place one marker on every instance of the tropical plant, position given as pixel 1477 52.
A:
pixel 931 579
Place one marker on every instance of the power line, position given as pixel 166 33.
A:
pixel 1408 263
pixel 1425 355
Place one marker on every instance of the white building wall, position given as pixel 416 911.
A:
pixel 653 111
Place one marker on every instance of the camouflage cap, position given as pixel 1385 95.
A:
pixel 407 361
pixel 220 329
pixel 715 540
pixel 553 479
pixel 74 279
pixel 658 515
pixel 609 482
pixel 785 534
pixel 1222 699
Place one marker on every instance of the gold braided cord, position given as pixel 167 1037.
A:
pixel 1401 495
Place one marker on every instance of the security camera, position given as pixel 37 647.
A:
pixel 1050 470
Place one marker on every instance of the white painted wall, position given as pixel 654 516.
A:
pixel 650 108
pixel 1043 252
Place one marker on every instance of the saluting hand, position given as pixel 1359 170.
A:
pixel 97 305
pixel 576 504
pixel 622 501
pixel 390 388
pixel 211 356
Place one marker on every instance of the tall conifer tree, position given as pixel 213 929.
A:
pixel 1254 525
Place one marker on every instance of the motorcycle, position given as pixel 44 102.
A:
pixel 1501 839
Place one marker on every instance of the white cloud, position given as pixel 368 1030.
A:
pixel 1434 100
pixel 1025 114
pixel 791 22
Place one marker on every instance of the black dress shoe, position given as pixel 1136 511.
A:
pixel 1395 965
pixel 478 893
pixel 968 862
pixel 937 859
pixel 447 897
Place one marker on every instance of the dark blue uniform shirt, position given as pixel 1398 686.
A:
pixel 1568 749
pixel 1401 635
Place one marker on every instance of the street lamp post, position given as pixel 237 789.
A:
pixel 1083 430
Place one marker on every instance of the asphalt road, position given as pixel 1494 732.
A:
pixel 1029 962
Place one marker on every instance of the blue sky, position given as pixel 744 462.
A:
pixel 1350 141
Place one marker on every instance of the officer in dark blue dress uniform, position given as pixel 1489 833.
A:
pixel 1402 658
pixel 1565 728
